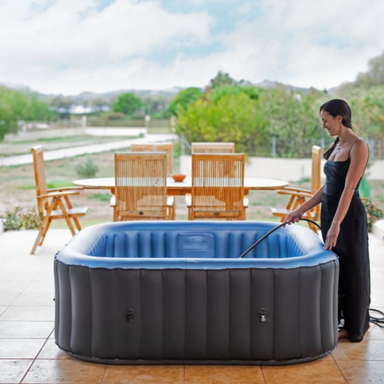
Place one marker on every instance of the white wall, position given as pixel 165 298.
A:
pixel 283 169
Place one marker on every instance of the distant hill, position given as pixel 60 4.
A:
pixel 142 93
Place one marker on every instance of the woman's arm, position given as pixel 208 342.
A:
pixel 359 157
pixel 296 215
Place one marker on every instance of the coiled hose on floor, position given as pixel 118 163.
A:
pixel 378 320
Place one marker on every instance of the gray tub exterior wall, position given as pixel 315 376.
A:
pixel 176 316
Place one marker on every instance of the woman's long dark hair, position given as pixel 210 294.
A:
pixel 337 107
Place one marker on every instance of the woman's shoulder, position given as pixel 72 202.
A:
pixel 359 147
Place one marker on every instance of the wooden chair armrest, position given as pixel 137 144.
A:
pixel 293 189
pixel 54 194
pixel 65 189
pixel 297 194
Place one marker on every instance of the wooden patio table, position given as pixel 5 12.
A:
pixel 181 188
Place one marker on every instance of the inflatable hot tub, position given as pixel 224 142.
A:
pixel 177 293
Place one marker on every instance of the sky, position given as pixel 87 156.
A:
pixel 72 46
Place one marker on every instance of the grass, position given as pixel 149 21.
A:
pixel 18 189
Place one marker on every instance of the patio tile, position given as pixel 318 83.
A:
pixel 28 313
pixel 41 287
pixel 223 374
pixel 315 372
pixel 25 329
pixel 2 309
pixel 144 374
pixel 35 299
pixel 12 371
pixel 20 348
pixel 13 286
pixel 377 300
pixel 46 274
pixel 368 349
pixel 16 274
pixel 52 351
pixel 65 371
pixel 7 298
pixel 362 372
pixel 374 333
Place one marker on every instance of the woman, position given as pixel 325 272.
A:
pixel 343 217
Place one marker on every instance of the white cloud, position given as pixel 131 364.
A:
pixel 68 46
pixel 72 38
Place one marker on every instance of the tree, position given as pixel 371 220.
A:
pixel 374 75
pixel 156 104
pixel 221 79
pixel 99 103
pixel 128 103
pixel 63 105
pixel 230 117
pixel 8 119
pixel 183 99
pixel 16 106
pixel 291 118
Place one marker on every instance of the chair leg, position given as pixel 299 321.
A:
pixel 77 223
pixel 44 226
pixel 44 232
pixel 66 217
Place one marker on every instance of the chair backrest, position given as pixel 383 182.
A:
pixel 218 186
pixel 40 179
pixel 161 147
pixel 213 147
pixel 141 185
pixel 316 169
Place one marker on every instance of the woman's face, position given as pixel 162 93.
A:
pixel 330 123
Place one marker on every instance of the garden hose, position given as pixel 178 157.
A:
pixel 270 232
pixel 379 321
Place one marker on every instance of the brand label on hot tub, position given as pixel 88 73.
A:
pixel 196 245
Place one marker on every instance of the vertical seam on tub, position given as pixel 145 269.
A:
pixel 185 312
pixel 141 317
pixel 321 298
pixel 163 312
pixel 299 312
pixel 274 313
pixel 250 314
pixel 92 308
pixel 229 316
pixel 116 305
pixel 335 305
pixel 206 314
pixel 71 306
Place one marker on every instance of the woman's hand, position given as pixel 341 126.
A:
pixel 332 236
pixel 294 216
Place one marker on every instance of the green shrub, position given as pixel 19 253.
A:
pixel 374 213
pixel 87 169
pixel 31 219
pixel 115 116
pixel 16 219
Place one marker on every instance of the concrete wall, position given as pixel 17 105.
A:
pixel 284 169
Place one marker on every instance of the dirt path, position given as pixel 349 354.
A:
pixel 81 150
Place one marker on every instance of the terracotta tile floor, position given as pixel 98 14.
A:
pixel 28 353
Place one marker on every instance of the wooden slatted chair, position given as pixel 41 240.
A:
pixel 217 187
pixel 161 147
pixel 213 147
pixel 141 187
pixel 53 204
pixel 298 196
